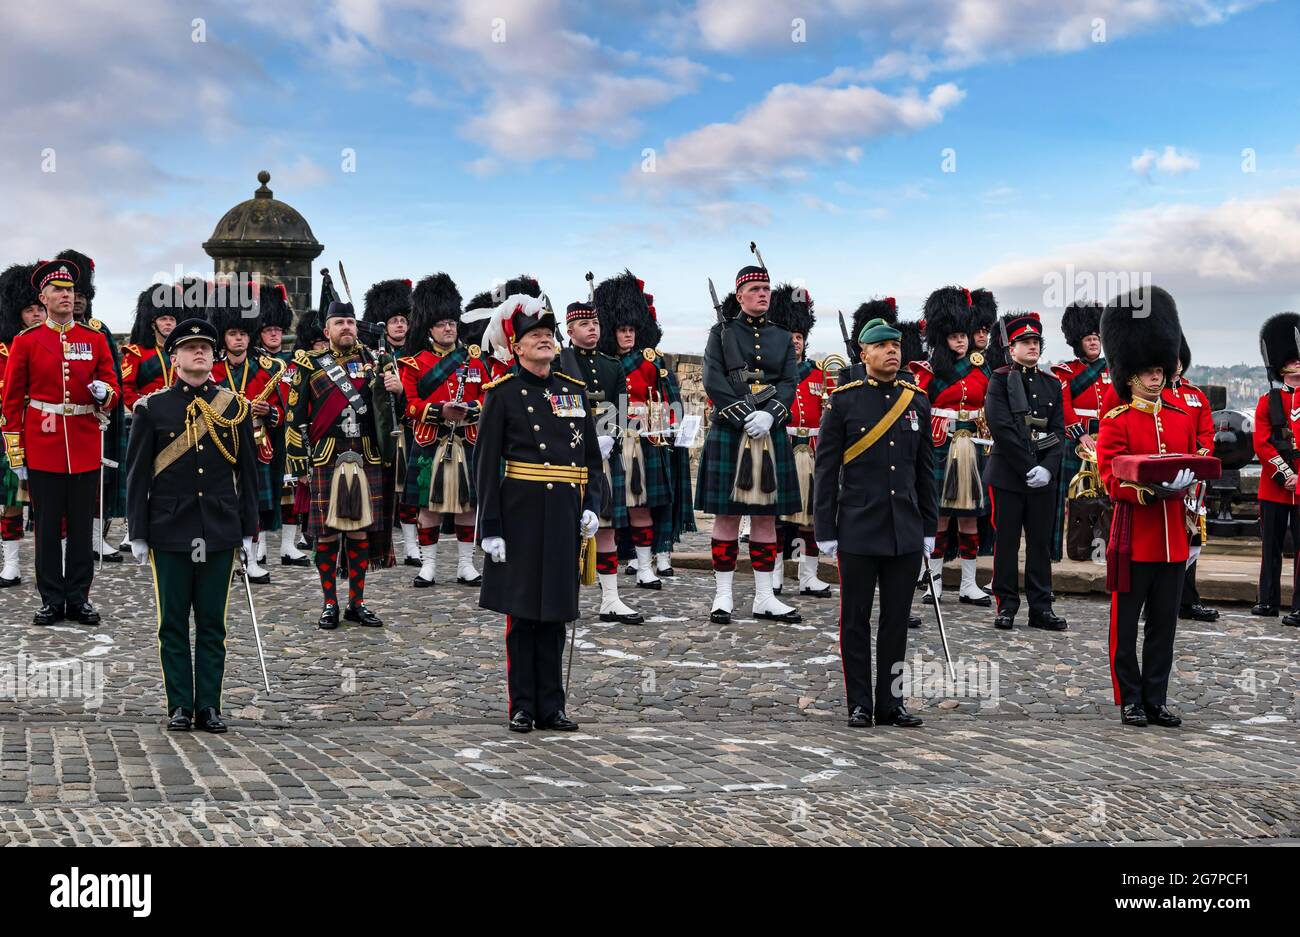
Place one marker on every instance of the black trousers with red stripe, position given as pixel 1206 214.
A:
pixel 1157 587
pixel 1031 512
pixel 535 666
pixel 1274 521
pixel 859 575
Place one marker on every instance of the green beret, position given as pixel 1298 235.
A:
pixel 878 330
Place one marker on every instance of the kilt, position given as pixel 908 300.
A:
pixel 718 473
pixel 119 475
pixel 657 482
pixel 419 468
pixel 8 483
pixel 941 464
pixel 1070 465
pixel 618 516
pixel 321 476
pixel 268 493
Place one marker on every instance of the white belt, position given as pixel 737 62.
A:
pixel 803 432
pixel 1090 414
pixel 67 409
pixel 962 415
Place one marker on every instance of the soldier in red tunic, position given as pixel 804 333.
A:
pixel 1147 551
pixel 59 384
pixel 1085 381
pixel 443 381
pixel 1187 396
pixel 792 309
pixel 144 368
pixel 1277 422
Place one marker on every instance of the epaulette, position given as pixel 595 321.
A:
pixel 30 327
pixel 133 349
pixel 847 386
pixel 501 380
pixel 303 357
pixel 409 361
pixel 1116 412
pixel 921 364
pixel 570 378
pixel 910 386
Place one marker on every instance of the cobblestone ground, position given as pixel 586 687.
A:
pixel 691 732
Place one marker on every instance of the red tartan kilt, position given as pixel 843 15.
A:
pixel 321 476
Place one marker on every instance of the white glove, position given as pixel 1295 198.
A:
pixel 140 550
pixel 927 544
pixel 1183 479
pixel 495 547
pixel 99 390
pixel 1037 477
pixel 21 472
pixel 758 424
pixel 248 548
pixel 589 524
pixel 1193 553
pixel 606 445
pixel 828 547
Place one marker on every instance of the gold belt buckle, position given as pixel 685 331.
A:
pixel 801 431
pixel 67 409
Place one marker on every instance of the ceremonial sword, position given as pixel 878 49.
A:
pixel 943 635
pixel 252 613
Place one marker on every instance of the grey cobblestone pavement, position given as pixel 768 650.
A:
pixel 691 732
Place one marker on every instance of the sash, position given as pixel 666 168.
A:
pixel 938 385
pixel 803 369
pixel 1083 380
pixel 184 442
pixel 441 372
pixel 338 378
pixel 888 420
pixel 150 370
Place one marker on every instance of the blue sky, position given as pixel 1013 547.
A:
pixel 489 158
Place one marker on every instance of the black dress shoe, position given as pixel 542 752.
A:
pixel 1166 717
pixel 84 613
pixel 860 718
pixel 1267 611
pixel 363 616
pixel 900 717
pixel 558 723
pixel 6 583
pixel 633 619
pixel 654 584
pixel 521 722
pixel 1292 619
pixel 985 602
pixel 329 617
pixel 791 617
pixel 262 580
pixel 630 570
pixel 476 581
pixel 421 583
pixel 1199 613
pixel 1133 715
pixel 48 615
pixel 1005 622
pixel 209 720
pixel 114 557
pixel 720 617
pixel 913 621
pixel 294 560
pixel 412 561
pixel 666 573
pixel 1048 621
pixel 179 721
pixel 928 599
pixel 776 590
pixel 817 593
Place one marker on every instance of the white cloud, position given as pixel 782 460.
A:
pixel 1170 162
pixel 792 125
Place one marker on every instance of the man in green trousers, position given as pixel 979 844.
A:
pixel 191 501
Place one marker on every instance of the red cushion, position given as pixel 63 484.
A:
pixel 1153 469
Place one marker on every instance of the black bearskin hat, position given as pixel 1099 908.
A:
pixel 520 284
pixel 984 313
pixel 886 309
pixel 387 298
pixel 16 294
pixel 228 313
pixel 1277 343
pixel 273 307
pixel 191 297
pixel 471 332
pixel 946 312
pixel 792 309
pixel 1079 321
pixel 434 299
pixel 1184 353
pixel 621 300
pixel 309 330
pixel 85 285
pixel 154 300
pixel 913 348
pixel 1140 330
pixel 731 307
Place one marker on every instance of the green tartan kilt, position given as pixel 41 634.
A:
pixel 617 515
pixel 717 474
pixel 419 469
pixel 268 494
pixel 1070 465
pixel 8 482
pixel 941 463
pixel 118 476
pixel 658 479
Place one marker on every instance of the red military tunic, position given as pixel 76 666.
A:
pixel 806 414
pixel 49 415
pixel 963 399
pixel 1158 530
pixel 251 380
pixel 1090 403
pixel 144 370
pixel 425 412
pixel 1187 396
pixel 1274 467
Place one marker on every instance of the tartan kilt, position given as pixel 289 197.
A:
pixel 268 493
pixel 941 465
pixel 1070 465
pixel 419 465
pixel 718 473
pixel 319 482
pixel 658 479
pixel 8 483
pixel 618 516
pixel 119 475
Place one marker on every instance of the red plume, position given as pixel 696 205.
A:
pixel 892 303
pixel 969 302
